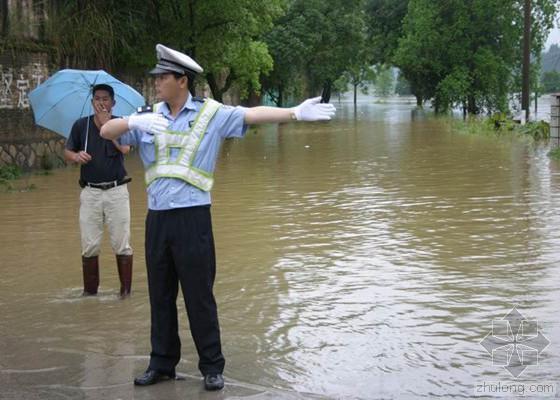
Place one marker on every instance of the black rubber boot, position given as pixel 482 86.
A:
pixel 124 264
pixel 90 268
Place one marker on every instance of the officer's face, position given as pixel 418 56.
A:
pixel 168 87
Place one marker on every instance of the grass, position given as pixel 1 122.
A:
pixel 499 124
pixel 9 174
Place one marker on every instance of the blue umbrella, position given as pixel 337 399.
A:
pixel 66 96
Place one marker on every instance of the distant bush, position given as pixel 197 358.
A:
pixel 9 173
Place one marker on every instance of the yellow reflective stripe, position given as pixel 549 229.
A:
pixel 208 111
pixel 194 177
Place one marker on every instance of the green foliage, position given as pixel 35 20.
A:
pixel 538 130
pixel 555 154
pixel 90 35
pixel 456 52
pixel 9 173
pixel 499 124
pixel 468 52
pixel 384 22
pixel 320 41
pixel 222 35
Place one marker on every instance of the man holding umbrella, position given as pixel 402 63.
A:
pixel 179 143
pixel 104 196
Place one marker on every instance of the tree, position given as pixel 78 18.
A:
pixel 222 35
pixel 4 18
pixel 467 52
pixel 340 35
pixel 384 81
pixel 358 76
pixel 327 38
pixel 420 50
pixel 289 50
pixel 384 22
pixel 551 82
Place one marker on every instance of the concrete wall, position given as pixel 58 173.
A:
pixel 21 142
pixel 23 66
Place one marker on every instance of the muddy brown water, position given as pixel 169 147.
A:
pixel 360 259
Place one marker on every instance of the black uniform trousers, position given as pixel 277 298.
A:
pixel 180 249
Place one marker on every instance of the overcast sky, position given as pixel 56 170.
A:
pixel 554 36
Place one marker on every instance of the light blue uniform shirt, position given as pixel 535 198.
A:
pixel 168 193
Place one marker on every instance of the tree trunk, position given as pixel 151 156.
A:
pixel 216 93
pixel 326 95
pixel 253 100
pixel 471 105
pixel 526 59
pixel 419 102
pixel 39 11
pixel 5 19
pixel 355 94
pixel 280 100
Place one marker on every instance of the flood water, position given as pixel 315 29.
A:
pixel 364 258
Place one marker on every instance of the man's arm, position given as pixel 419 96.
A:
pixel 265 115
pixel 123 148
pixel 79 157
pixel 73 144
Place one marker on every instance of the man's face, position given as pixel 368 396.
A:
pixel 102 101
pixel 168 87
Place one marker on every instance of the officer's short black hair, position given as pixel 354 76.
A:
pixel 104 86
pixel 190 76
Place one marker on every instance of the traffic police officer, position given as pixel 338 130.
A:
pixel 178 141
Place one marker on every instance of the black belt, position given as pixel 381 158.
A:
pixel 104 185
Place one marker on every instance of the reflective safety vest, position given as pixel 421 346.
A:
pixel 187 143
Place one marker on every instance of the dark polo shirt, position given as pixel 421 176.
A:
pixel 107 162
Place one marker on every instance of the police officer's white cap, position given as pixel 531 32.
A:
pixel 170 60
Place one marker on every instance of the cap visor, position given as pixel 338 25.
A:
pixel 159 70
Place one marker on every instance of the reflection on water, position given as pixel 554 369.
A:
pixel 363 258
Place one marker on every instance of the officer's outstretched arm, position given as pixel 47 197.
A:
pixel 309 110
pixel 114 128
pixel 148 122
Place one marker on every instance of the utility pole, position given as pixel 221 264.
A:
pixel 526 59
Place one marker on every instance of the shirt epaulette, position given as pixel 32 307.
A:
pixel 199 99
pixel 144 109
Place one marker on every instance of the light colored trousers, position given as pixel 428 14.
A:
pixel 99 207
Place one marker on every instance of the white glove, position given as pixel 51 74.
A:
pixel 148 122
pixel 314 110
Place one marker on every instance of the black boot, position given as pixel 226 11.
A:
pixel 124 264
pixel 151 377
pixel 90 268
pixel 213 382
